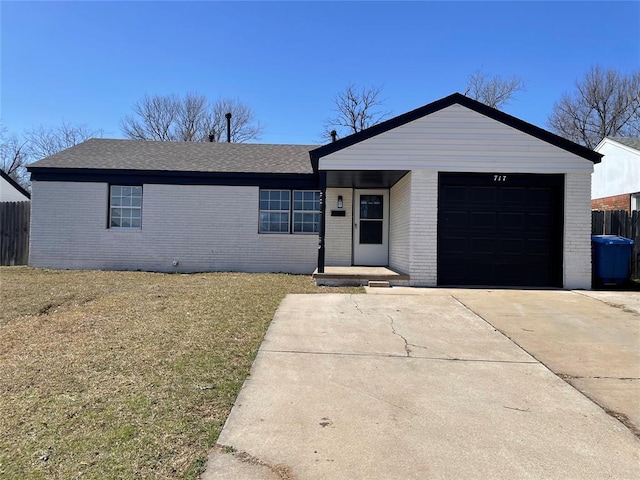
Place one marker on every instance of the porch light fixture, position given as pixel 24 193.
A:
pixel 339 201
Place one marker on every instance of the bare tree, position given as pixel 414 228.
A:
pixel 14 157
pixel 154 118
pixel 605 103
pixel 492 90
pixel 356 109
pixel 46 141
pixel 192 118
pixel 243 124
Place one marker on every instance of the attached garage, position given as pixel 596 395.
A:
pixel 476 197
pixel 500 229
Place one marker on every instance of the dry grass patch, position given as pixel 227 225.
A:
pixel 125 374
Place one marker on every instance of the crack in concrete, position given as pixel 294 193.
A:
pixel 518 409
pixel 393 329
pixel 394 355
pixel 566 376
pixel 282 471
pixel 356 304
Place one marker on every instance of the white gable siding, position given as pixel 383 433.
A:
pixel 205 228
pixel 9 193
pixel 619 171
pixel 456 139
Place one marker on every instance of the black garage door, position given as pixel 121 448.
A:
pixel 500 229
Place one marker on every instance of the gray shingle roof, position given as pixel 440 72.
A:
pixel 101 153
pixel 633 142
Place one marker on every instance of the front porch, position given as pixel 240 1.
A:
pixel 357 276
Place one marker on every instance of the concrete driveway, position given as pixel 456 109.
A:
pixel 427 386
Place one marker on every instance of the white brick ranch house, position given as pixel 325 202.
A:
pixel 452 193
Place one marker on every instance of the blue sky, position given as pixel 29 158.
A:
pixel 88 62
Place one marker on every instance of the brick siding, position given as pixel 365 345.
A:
pixel 204 228
pixel 577 231
pixel 615 202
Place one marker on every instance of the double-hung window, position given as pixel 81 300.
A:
pixel 125 207
pixel 289 211
pixel 275 206
pixel 306 211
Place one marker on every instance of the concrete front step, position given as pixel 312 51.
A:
pixel 360 276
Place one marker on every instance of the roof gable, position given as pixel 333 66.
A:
pixel 629 143
pixel 15 185
pixel 443 103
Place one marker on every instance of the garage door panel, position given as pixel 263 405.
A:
pixel 541 196
pixel 483 194
pixel 456 219
pixel 538 247
pixel 510 246
pixel 454 245
pixel 483 244
pixel 503 233
pixel 483 220
pixel 512 220
pixel 539 221
pixel 511 194
pixel 453 194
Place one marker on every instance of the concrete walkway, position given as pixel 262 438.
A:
pixel 412 387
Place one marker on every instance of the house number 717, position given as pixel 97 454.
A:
pixel 499 178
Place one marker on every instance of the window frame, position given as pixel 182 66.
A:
pixel 290 212
pixel 271 210
pixel 111 207
pixel 304 211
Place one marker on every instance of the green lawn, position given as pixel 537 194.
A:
pixel 125 374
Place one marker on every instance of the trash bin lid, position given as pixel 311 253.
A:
pixel 611 240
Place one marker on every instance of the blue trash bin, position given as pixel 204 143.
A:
pixel 611 256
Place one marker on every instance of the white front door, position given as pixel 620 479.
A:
pixel 371 227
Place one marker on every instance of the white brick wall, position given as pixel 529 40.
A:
pixel 339 232
pixel 399 226
pixel 577 231
pixel 205 228
pixel 424 228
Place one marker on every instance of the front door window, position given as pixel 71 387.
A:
pixel 371 219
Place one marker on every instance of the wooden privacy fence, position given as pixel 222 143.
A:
pixel 623 224
pixel 14 233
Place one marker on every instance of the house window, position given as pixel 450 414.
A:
pixel 275 206
pixel 125 207
pixel 635 201
pixel 278 214
pixel 306 211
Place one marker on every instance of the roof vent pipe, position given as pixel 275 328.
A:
pixel 334 135
pixel 228 117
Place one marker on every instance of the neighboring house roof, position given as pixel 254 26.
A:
pixel 631 142
pixel 467 102
pixel 16 186
pixel 209 157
